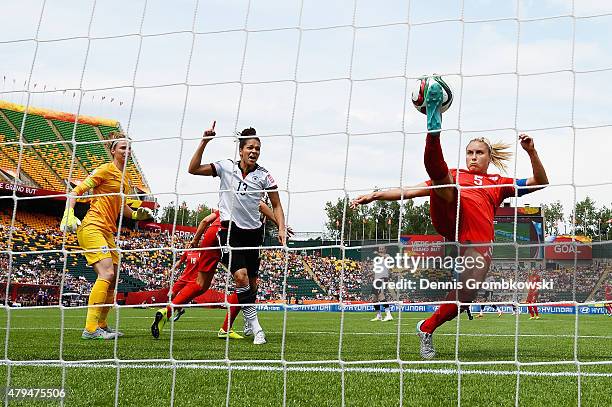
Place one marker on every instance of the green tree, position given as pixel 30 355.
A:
pixel 334 212
pixel 167 213
pixel 586 214
pixel 419 220
pixel 184 215
pixel 372 221
pixel 604 220
pixel 553 214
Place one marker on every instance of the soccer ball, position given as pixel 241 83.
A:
pixel 420 92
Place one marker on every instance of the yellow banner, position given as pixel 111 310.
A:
pixel 55 115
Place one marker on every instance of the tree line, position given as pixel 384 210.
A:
pixel 184 215
pixel 590 219
pixel 379 220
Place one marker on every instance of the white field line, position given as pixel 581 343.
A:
pixel 334 333
pixel 266 368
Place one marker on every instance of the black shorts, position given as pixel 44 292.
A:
pixel 379 291
pixel 240 259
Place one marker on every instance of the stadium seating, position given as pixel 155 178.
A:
pixel 37 130
pixel 92 155
pixel 31 165
pixel 49 165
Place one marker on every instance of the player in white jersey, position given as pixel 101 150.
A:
pixel 380 293
pixel 242 186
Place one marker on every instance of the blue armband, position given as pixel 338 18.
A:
pixel 522 182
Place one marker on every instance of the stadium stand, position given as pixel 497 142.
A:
pixel 47 156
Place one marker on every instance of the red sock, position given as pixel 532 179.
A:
pixel 530 309
pixel 434 159
pixel 446 312
pixel 234 311
pixel 187 293
pixel 609 307
pixel 536 311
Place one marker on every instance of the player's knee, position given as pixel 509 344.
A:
pixel 241 278
pixel 108 275
pixel 105 270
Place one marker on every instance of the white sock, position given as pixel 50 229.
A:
pixel 254 323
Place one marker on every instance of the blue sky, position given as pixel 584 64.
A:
pixel 303 97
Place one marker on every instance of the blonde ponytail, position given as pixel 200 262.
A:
pixel 498 152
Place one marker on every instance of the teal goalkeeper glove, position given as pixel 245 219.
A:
pixel 69 222
pixel 142 214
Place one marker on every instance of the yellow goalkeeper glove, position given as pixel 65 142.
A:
pixel 142 214
pixel 69 222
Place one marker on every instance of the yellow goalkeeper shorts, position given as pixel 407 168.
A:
pixel 100 242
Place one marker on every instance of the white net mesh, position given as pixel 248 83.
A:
pixel 327 86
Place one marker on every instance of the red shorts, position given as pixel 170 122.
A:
pixel 532 297
pixel 178 286
pixel 474 227
pixel 209 258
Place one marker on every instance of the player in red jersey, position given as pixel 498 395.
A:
pixel 476 205
pixel 609 299
pixel 198 274
pixel 202 262
pixel 190 258
pixel 533 295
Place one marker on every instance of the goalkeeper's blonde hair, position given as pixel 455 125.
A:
pixel 498 152
pixel 116 136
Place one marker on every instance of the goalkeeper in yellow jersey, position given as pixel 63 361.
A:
pixel 97 232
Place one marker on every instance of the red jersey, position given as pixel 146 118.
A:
pixel 209 237
pixel 209 258
pixel 191 259
pixel 533 292
pixel 477 206
pixel 217 222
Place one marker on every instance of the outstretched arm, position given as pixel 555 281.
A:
pixel 394 194
pixel 195 165
pixel 539 177
pixel 204 223
pixel 141 213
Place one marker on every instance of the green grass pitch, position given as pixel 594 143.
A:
pixel 35 335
